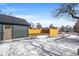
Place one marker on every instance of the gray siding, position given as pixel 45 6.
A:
pixel 1 32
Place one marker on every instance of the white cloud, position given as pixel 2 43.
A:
pixel 14 10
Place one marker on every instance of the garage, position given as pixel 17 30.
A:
pixel 12 27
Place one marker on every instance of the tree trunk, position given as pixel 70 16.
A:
pixel 78 51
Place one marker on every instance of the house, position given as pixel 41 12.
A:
pixel 34 31
pixel 54 32
pixel 12 27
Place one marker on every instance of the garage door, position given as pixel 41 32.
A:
pixel 19 31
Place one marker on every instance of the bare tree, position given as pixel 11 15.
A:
pixel 38 25
pixel 51 26
pixel 62 28
pixel 69 9
pixel 31 25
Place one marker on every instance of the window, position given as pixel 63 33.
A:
pixel 7 26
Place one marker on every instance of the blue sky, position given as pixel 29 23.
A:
pixel 36 12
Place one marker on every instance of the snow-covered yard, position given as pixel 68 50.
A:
pixel 42 46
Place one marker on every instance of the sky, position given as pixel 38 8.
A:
pixel 36 12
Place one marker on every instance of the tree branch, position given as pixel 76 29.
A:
pixel 73 16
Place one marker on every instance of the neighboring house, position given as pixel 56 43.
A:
pixel 12 27
pixel 34 31
pixel 54 31
pixel 38 31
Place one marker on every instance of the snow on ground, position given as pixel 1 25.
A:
pixel 40 46
pixel 73 36
pixel 70 41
